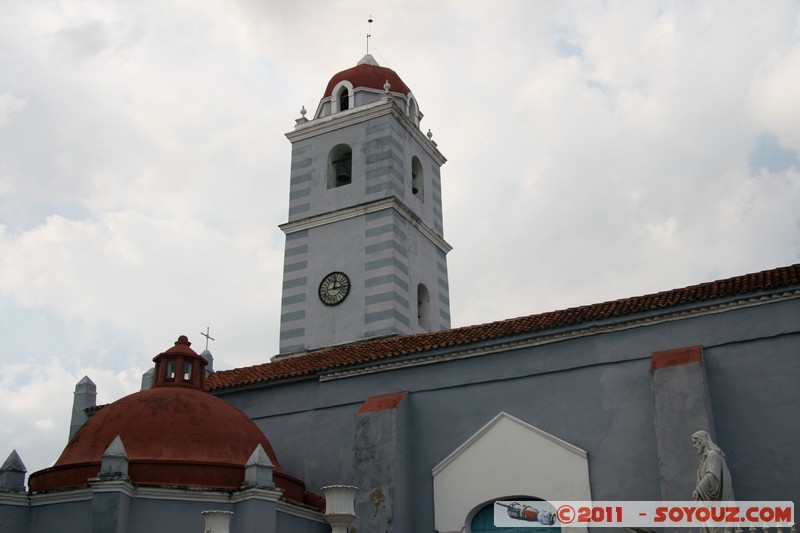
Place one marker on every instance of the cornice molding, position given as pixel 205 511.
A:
pixel 256 493
pixel 16 499
pixel 67 496
pixel 185 493
pixel 23 499
pixel 363 113
pixel 391 202
pixel 497 345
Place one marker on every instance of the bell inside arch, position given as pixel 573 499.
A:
pixel 342 170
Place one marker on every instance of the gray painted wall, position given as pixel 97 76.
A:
pixel 293 524
pixel 592 391
pixel 74 517
pixel 13 518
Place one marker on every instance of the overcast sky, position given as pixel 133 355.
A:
pixel 596 150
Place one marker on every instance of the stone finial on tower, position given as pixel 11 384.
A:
pixel 115 461
pixel 302 119
pixel 430 137
pixel 386 95
pixel 258 469
pixel 85 396
pixel 12 474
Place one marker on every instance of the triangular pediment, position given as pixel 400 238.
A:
pixel 507 456
pixel 500 420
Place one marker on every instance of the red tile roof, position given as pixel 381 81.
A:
pixel 371 76
pixel 366 351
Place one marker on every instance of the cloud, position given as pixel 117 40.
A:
pixel 135 272
pixel 34 396
pixel 769 155
pixel 10 105
pixel 775 91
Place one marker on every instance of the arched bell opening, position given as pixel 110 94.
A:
pixel 417 179
pixel 423 307
pixel 340 166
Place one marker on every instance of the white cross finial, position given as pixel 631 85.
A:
pixel 207 336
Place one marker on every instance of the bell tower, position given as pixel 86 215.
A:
pixel 365 251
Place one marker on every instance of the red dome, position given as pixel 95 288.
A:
pixel 368 75
pixel 174 434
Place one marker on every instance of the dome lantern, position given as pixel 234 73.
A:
pixel 179 366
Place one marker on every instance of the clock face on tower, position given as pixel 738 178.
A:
pixel 334 288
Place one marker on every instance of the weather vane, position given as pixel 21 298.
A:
pixel 207 335
pixel 369 32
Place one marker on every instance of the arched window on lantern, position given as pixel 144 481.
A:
pixel 342 96
pixel 344 99
pixel 170 370
pixel 187 369
pixel 340 166
pixel 413 110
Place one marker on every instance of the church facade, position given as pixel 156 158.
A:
pixel 372 387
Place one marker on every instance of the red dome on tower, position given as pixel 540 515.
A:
pixel 368 74
pixel 174 434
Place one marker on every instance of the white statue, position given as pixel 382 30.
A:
pixel 713 478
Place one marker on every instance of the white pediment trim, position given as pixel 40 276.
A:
pixel 493 422
pixel 506 456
